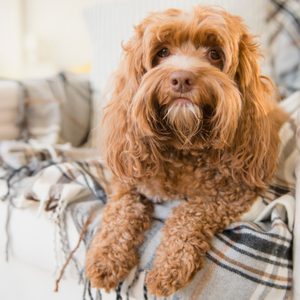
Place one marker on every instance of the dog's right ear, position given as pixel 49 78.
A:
pixel 131 68
pixel 119 145
pixel 130 71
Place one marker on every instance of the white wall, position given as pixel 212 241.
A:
pixel 10 37
pixel 60 31
pixel 39 37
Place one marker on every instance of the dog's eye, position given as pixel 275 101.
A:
pixel 214 55
pixel 164 52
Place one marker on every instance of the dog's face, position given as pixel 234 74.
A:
pixel 189 80
pixel 186 68
pixel 190 61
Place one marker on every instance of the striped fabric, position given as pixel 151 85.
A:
pixel 10 110
pixel 251 259
pixel 50 110
pixel 58 109
pixel 284 44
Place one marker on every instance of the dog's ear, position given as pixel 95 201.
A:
pixel 248 68
pixel 256 141
pixel 122 146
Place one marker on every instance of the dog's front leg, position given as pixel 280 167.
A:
pixel 186 239
pixel 113 251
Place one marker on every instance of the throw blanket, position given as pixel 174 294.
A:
pixel 251 259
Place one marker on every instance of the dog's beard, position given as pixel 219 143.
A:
pixel 185 121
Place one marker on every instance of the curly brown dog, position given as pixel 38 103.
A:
pixel 190 118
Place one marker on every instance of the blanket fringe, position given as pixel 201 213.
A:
pixel 84 229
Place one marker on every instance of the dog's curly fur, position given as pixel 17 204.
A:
pixel 210 140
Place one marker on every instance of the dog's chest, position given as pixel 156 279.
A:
pixel 182 180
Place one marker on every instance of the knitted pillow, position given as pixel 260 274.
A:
pixel 42 111
pixel 58 109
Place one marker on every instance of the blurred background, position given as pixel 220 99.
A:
pixel 55 59
pixel 40 37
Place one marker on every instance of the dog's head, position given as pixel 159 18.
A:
pixel 189 81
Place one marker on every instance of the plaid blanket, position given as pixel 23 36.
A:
pixel 251 259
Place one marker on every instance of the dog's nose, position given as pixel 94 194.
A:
pixel 182 81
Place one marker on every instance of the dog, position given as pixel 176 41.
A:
pixel 192 118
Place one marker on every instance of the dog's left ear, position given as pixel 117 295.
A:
pixel 256 141
pixel 247 70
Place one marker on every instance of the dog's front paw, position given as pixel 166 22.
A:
pixel 107 266
pixel 164 281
